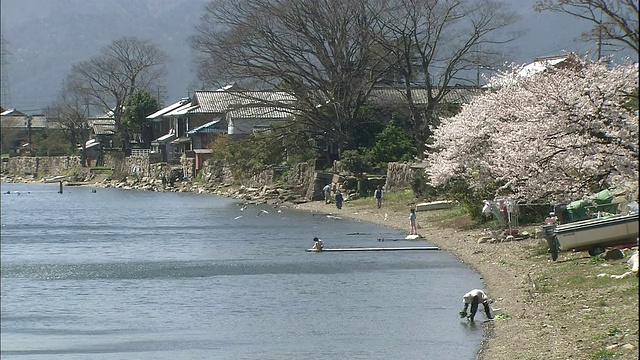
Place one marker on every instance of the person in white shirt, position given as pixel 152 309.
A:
pixel 327 193
pixel 317 244
pixel 473 298
pixel 551 219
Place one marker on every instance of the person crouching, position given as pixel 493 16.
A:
pixel 318 245
pixel 473 298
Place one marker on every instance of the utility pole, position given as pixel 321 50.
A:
pixel 29 118
pixel 5 94
pixel 600 37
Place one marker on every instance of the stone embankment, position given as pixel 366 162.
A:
pixel 294 184
pixel 266 194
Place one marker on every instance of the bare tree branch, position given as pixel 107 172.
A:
pixel 108 79
pixel 70 112
pixel 437 41
pixel 615 20
pixel 318 51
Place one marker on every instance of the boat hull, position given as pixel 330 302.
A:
pixel 598 233
pixel 435 205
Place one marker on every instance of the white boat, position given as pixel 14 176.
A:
pixel 435 205
pixel 592 234
pixel 55 179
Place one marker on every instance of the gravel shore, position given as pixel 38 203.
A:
pixel 559 324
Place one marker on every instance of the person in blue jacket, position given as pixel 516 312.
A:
pixel 339 199
pixel 378 196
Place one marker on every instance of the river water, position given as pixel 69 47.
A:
pixel 121 274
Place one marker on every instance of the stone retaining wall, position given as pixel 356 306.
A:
pixel 300 178
pixel 214 171
pixel 40 165
pixel 399 176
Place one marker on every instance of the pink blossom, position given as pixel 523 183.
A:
pixel 557 135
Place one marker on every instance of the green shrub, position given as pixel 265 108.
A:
pixel 393 144
pixel 603 354
pixel 356 162
pixel 421 187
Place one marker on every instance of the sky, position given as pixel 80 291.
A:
pixel 46 37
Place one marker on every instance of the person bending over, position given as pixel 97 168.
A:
pixel 317 244
pixel 473 298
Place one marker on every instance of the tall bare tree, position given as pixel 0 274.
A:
pixel 437 42
pixel 613 20
pixel 318 51
pixel 70 113
pixel 121 68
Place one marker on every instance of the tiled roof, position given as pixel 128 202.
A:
pixel 259 112
pixel 394 96
pixel 55 124
pixel 13 112
pixel 168 109
pixel 100 121
pixel 247 104
pixel 99 129
pixel 222 101
pixel 20 121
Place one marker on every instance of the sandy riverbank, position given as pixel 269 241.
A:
pixel 542 325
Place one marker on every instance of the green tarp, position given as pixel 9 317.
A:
pixel 602 201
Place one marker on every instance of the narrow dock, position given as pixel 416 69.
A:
pixel 378 249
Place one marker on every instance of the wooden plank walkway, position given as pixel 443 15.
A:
pixel 378 249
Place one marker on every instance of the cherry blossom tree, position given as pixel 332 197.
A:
pixel 557 135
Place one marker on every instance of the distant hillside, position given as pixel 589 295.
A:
pixel 46 37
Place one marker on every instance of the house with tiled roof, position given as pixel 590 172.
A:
pixel 19 130
pixel 454 97
pixel 190 124
pixel 103 129
pixel 244 112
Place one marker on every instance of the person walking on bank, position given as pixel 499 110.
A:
pixel 473 298
pixel 327 193
pixel 378 196
pixel 413 228
pixel 339 199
